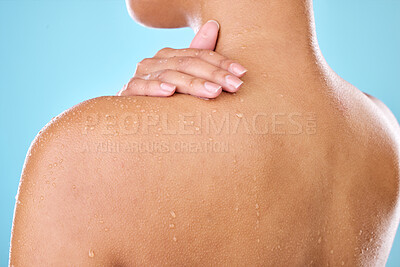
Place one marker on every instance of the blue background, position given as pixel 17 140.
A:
pixel 55 54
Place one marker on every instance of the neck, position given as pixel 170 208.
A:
pixel 274 37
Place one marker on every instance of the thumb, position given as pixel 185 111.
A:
pixel 207 36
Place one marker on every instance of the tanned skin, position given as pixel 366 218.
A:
pixel 305 173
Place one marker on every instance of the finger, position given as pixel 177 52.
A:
pixel 187 84
pixel 207 36
pixel 137 86
pixel 209 56
pixel 196 67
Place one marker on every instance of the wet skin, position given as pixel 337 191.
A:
pixel 315 189
pixel 307 172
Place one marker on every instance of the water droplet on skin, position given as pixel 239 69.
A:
pixel 47 182
pixel 106 229
pixel 214 110
pixel 173 214
pixel 101 221
pixel 172 225
pixel 50 166
pixel 74 187
pixel 360 232
pixel 41 197
pixel 53 184
pixel 239 115
pixel 91 253
pixel 174 238
pixel 257 206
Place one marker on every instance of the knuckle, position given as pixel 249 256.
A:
pixel 184 62
pixel 204 53
pixel 145 61
pixel 141 66
pixel 164 51
pixel 146 87
pixel 131 83
pixel 194 81
pixel 218 73
pixel 163 74
pixel 130 87
pixel 196 52
pixel 224 63
pixel 194 60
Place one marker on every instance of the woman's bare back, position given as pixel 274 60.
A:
pixel 269 176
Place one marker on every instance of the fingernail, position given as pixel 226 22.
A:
pixel 167 87
pixel 214 21
pixel 212 87
pixel 208 31
pixel 237 69
pixel 234 81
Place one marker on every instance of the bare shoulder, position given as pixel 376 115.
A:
pixel 386 111
pixel 85 171
pixel 69 171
